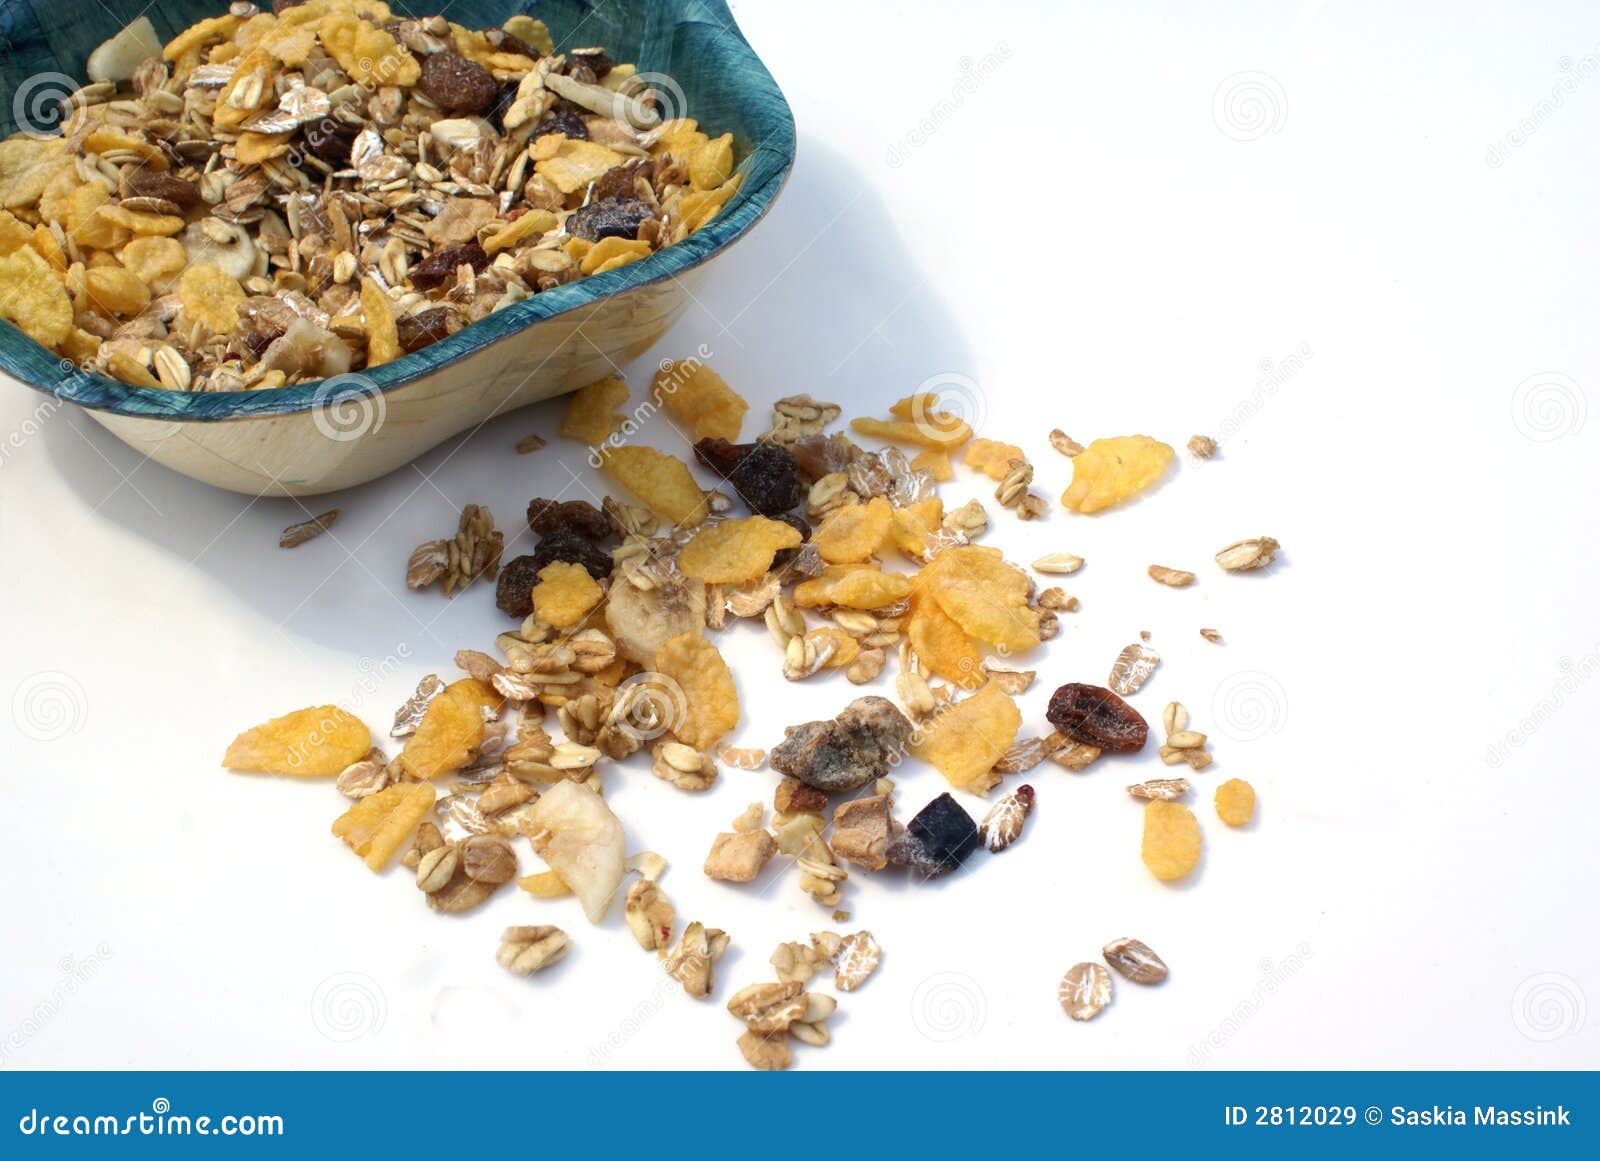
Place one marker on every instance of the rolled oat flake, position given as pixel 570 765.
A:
pixel 1085 990
pixel 1135 961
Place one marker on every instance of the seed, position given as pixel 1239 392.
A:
pixel 1243 555
pixel 1085 990
pixel 1133 960
pixel 1186 740
pixel 1175 578
pixel 1064 443
pixel 1058 563
pixel 1211 635
pixel 171 368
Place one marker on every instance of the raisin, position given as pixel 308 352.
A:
pixel 424 328
pixel 609 218
pixel 513 591
pixel 594 59
pixel 763 474
pixel 562 121
pixel 502 41
pixel 456 84
pixel 145 184
pixel 331 140
pixel 618 181
pixel 573 549
pixel 822 455
pixel 1097 717
pixel 577 517
pixel 441 267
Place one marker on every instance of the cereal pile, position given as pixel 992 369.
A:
pixel 280 196
pixel 850 560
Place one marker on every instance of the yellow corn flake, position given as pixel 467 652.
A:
pixel 992 458
pixel 80 204
pixel 936 463
pixel 963 741
pixel 1110 471
pixel 711 163
pixel 545 885
pixel 369 56
pixel 451 729
pixel 116 291
pixel 662 482
pixel 592 411
pixel 196 36
pixel 141 225
pixel 80 346
pixel 14 235
pixel 121 365
pixel 710 702
pixel 475 47
pixel 377 316
pixel 984 594
pixel 34 299
pixel 531 32
pixel 565 594
pixel 291 46
pixel 27 165
pixel 316 742
pixel 528 225
pixel 912 432
pixel 697 207
pixel 45 244
pixel 156 261
pixel 852 586
pixel 842 649
pixel 701 399
pixel 101 231
pixel 574 164
pixel 679 137
pixel 1171 847
pixel 855 532
pixel 609 253
pixel 233 108
pixel 377 826
pixel 1236 802
pixel 942 644
pixel 254 148
pixel 210 297
pixel 735 551
pixel 915 525
pixel 109 140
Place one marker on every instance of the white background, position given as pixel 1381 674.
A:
pixel 1390 331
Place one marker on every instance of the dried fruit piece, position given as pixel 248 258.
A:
pixel 1171 847
pixel 853 533
pixel 456 84
pixel 1133 668
pixel 1135 961
pixel 734 551
pixel 649 915
pixel 642 620
pixel 316 742
pixel 451 729
pixel 1245 555
pixel 1085 990
pixel 564 595
pixel 862 830
pixel 525 950
pixel 764 475
pixel 592 411
pixel 738 857
pixel 993 458
pixel 1236 802
pixel 574 549
pixel 1110 471
pixel 1002 826
pixel 1097 717
pixel 849 751
pixel 441 267
pixel 965 740
pixel 573 830
pixel 700 398
pixel 376 826
pixel 571 517
pixel 711 703
pixel 938 840
pixel 662 482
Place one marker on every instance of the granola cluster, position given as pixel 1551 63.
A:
pixel 847 560
pixel 286 195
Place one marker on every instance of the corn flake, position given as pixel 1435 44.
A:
pixel 27 165
pixel 942 645
pixel 254 148
pixel 918 434
pixel 369 56
pixel 592 411
pixel 198 35
pixel 712 162
pixel 316 742
pixel 710 701
pixel 116 291
pixel 854 532
pixel 375 827
pixel 574 164
pixel 984 594
pixel 609 253
pixel 936 463
pixel 211 297
pixel 1110 471
pixel 664 483
pixel 700 397
pixel 963 741
pixel 734 551
pixel 525 226
pixel 1236 802
pixel 140 225
pixel 545 885
pixel 14 235
pixel 914 527
pixel 565 594
pixel 1171 847
pixel 992 458
pixel 451 729
pixel 852 586
pixel 383 333
pixel 34 299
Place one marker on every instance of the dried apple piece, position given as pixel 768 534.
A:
pixel 573 830
pixel 319 741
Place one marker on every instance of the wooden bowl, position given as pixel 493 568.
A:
pixel 332 434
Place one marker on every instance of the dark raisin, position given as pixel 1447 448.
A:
pixel 502 41
pixel 579 517
pixel 574 550
pixel 594 59
pixel 1095 716
pixel 503 101
pixel 618 181
pixel 456 84
pixel 331 140
pixel 609 218
pixel 143 183
pixel 512 592
pixel 441 267
pixel 424 328
pixel 762 474
pixel 562 121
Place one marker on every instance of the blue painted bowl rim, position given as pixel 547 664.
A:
pixel 44 371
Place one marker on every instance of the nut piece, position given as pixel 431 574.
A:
pixel 364 778
pixel 738 858
pixel 1176 578
pixel 768 1053
pixel 1135 961
pixel 769 1007
pixel 1085 990
pixel 862 829
pixel 525 950
pixel 1202 447
pixel 1244 555
pixel 649 915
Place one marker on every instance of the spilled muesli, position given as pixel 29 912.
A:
pixel 613 655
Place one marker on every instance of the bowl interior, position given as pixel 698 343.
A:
pixel 715 77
